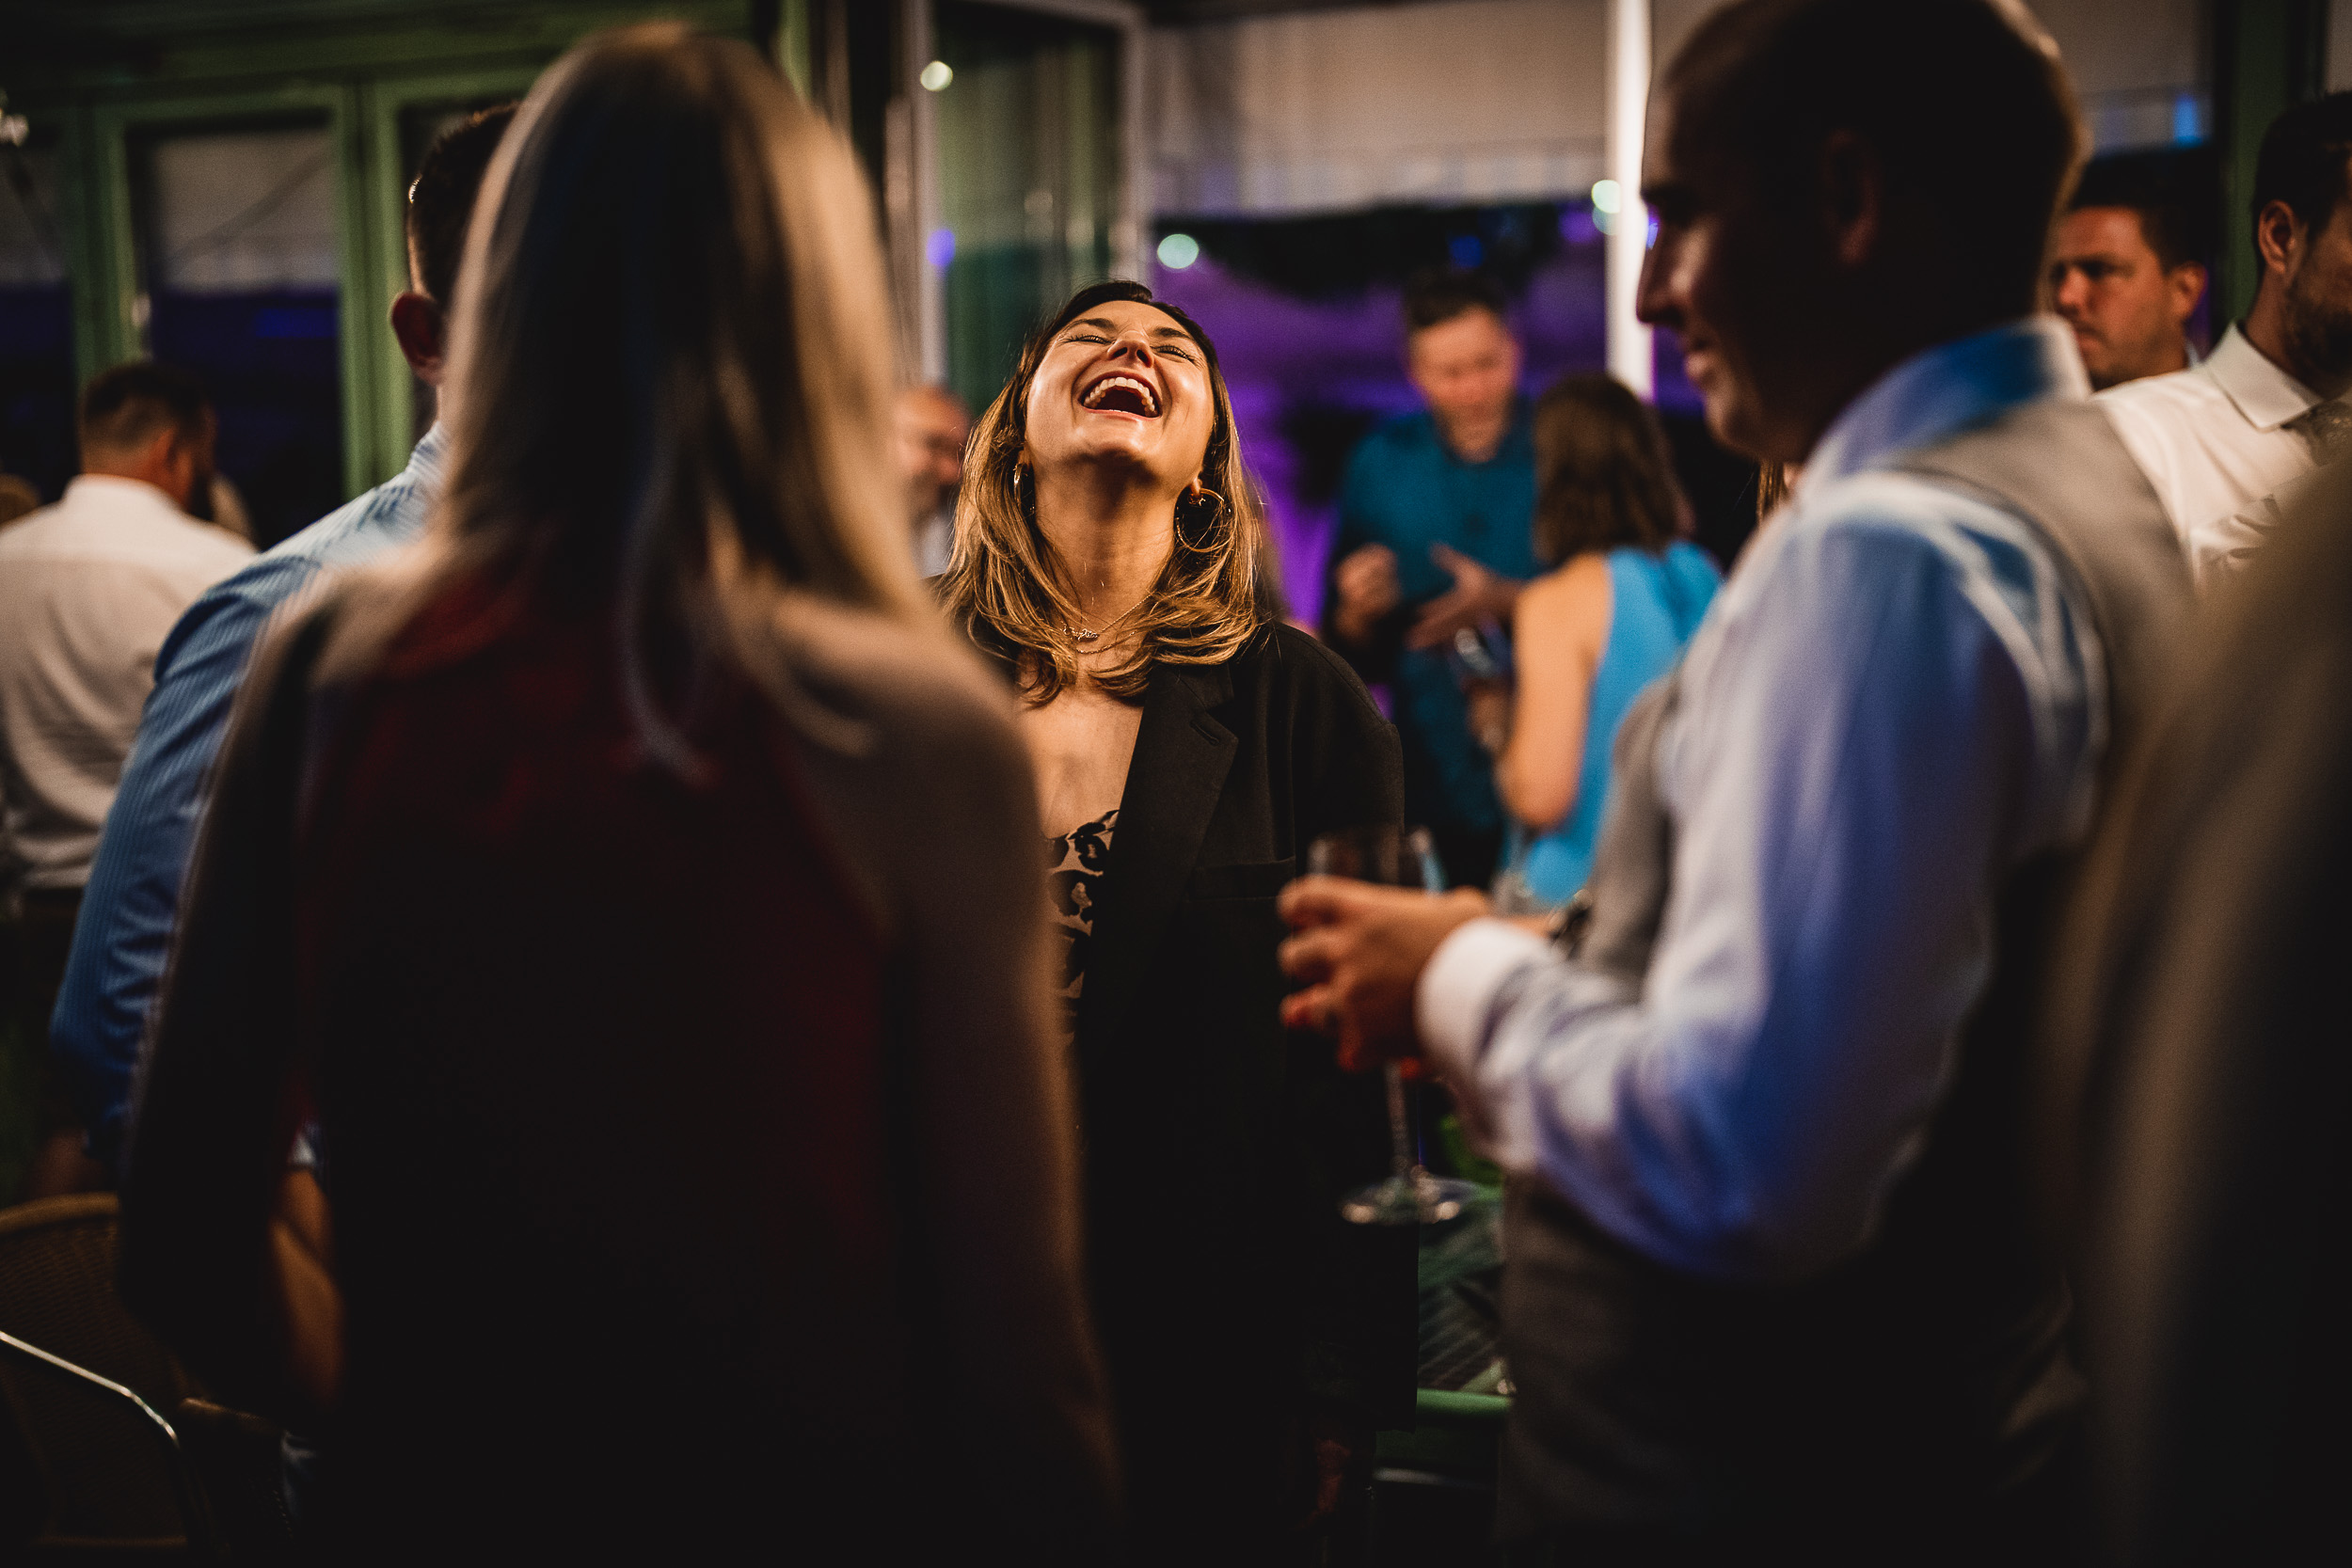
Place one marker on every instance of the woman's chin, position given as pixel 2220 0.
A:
pixel 1130 446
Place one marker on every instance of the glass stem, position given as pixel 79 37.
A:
pixel 1400 1130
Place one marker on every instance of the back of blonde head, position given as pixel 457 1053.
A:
pixel 671 359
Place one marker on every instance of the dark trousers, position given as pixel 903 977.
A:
pixel 35 940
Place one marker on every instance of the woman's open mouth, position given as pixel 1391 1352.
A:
pixel 1122 393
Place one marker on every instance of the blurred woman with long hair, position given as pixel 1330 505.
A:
pixel 640 890
pixel 1625 591
pixel 1189 746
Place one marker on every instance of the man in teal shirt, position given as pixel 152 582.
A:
pixel 1436 534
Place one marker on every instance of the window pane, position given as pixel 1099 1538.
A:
pixel 1029 166
pixel 241 261
pixel 36 325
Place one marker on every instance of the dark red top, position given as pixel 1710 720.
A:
pixel 599 1060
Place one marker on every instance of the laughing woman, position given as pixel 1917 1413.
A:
pixel 1188 747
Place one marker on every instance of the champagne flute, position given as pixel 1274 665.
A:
pixel 1393 856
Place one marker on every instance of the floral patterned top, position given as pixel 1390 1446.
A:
pixel 1074 864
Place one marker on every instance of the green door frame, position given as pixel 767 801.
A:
pixel 116 323
pixel 360 80
pixel 384 272
pixel 2268 55
pixel 112 326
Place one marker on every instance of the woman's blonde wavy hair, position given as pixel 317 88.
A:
pixel 671 362
pixel 1008 584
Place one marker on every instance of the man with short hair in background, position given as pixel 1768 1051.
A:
pixel 2125 271
pixel 125 931
pixel 18 498
pixel 2263 408
pixel 1436 534
pixel 932 425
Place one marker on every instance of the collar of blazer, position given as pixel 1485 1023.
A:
pixel 1173 783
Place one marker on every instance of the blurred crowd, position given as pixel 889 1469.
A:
pixel 750 929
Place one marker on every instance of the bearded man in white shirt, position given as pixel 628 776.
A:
pixel 89 588
pixel 1774 1288
pixel 2262 410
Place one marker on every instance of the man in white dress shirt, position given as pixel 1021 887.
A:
pixel 89 588
pixel 2124 270
pixel 2261 411
pixel 1774 1288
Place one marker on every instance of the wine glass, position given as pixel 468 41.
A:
pixel 1393 856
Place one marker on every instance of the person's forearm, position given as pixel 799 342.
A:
pixel 308 1303
pixel 1534 795
pixel 1537 768
pixel 1849 787
pixel 1565 1076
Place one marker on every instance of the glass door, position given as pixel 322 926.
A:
pixel 1029 122
pixel 240 263
pixel 37 382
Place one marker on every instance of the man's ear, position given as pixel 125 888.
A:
pixel 173 464
pixel 1852 198
pixel 423 334
pixel 164 450
pixel 2186 285
pixel 2279 236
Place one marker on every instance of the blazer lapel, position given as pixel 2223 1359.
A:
pixel 1173 783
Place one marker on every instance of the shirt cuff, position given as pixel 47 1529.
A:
pixel 1453 1004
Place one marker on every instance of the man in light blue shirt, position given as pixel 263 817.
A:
pixel 123 938
pixel 1774 1284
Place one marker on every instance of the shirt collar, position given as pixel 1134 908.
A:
pixel 2267 395
pixel 426 461
pixel 1518 436
pixel 1943 390
pixel 113 491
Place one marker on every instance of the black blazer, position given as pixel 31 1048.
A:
pixel 1217 1144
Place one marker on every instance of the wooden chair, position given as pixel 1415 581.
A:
pixel 85 1385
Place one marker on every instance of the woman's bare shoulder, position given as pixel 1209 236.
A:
pixel 1579 578
pixel 1567 594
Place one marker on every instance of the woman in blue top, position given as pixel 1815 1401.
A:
pixel 1625 592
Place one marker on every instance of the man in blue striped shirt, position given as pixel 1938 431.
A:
pixel 123 936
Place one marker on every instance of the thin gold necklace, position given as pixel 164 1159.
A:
pixel 1082 635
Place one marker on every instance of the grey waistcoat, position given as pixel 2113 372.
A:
pixel 1906 1391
